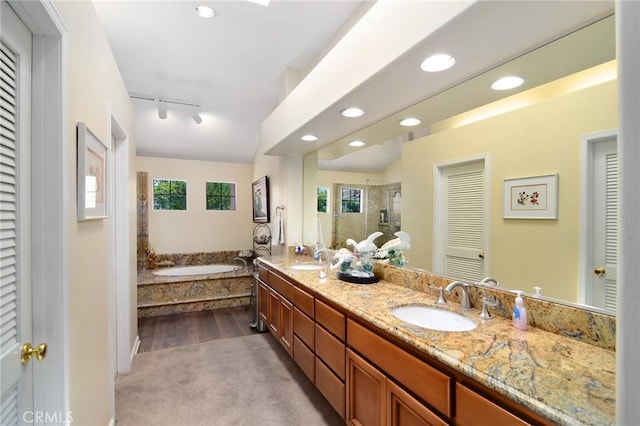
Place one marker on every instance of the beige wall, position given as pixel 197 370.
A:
pixel 95 89
pixel 539 139
pixel 198 229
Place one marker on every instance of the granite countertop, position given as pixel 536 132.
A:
pixel 566 381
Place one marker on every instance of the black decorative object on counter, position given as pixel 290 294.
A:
pixel 345 276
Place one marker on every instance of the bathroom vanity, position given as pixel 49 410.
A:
pixel 375 369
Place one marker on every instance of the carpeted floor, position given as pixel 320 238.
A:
pixel 240 381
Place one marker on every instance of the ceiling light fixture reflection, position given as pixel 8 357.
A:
pixel 352 112
pixel 357 143
pixel 309 138
pixel 205 12
pixel 409 122
pixel 439 62
pixel 507 83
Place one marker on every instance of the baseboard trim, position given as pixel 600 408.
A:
pixel 134 350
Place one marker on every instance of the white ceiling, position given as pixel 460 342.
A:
pixel 231 65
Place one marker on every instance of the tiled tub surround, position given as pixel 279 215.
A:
pixel 561 378
pixel 208 258
pixel 166 295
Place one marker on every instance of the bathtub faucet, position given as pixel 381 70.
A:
pixel 241 260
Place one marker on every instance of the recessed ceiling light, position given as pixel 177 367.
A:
pixel 357 143
pixel 439 62
pixel 205 11
pixel 309 138
pixel 410 121
pixel 507 83
pixel 352 112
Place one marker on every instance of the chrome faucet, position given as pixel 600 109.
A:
pixel 241 260
pixel 489 282
pixel 464 293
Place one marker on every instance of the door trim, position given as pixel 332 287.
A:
pixel 438 219
pixel 587 144
pixel 120 267
pixel 50 202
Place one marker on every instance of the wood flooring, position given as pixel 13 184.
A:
pixel 190 328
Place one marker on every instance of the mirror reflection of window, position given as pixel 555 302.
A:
pixel 90 191
pixel 351 200
pixel 323 196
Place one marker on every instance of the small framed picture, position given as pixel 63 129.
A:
pixel 92 175
pixel 534 197
pixel 260 191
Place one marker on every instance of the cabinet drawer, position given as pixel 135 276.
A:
pixel 330 319
pixel 330 386
pixel 281 285
pixel 474 409
pixel 331 350
pixel 425 381
pixel 304 357
pixel 304 328
pixel 263 273
pixel 303 301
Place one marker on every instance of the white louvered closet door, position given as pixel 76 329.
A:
pixel 15 218
pixel 605 228
pixel 464 221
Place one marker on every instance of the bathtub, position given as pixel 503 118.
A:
pixel 197 270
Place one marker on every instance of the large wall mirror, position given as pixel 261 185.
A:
pixel 556 125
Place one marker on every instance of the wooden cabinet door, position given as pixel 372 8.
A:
pixel 274 314
pixel 263 302
pixel 404 410
pixel 366 395
pixel 286 325
pixel 473 409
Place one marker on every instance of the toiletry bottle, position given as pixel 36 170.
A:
pixel 519 312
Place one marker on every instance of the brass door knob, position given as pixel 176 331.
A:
pixel 28 351
pixel 599 270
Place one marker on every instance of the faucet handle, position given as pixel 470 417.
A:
pixel 486 303
pixel 441 300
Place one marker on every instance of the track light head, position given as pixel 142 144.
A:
pixel 162 109
pixel 196 117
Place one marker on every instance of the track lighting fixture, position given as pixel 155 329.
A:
pixel 162 109
pixel 196 117
pixel 162 105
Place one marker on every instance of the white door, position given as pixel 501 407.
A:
pixel 602 270
pixel 15 217
pixel 460 224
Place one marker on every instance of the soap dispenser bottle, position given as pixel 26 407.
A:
pixel 519 312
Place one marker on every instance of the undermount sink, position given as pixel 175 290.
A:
pixel 434 318
pixel 307 266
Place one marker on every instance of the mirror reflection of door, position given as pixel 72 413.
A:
pixel 460 221
pixel 601 183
